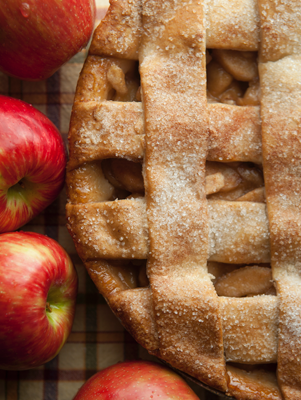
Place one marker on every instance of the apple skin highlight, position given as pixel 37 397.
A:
pixel 32 163
pixel 38 288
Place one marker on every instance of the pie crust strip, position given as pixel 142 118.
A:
pixel 238 231
pixel 280 75
pixel 250 325
pixel 119 33
pixel 113 129
pixel 223 15
pixel 281 83
pixel 172 67
pixel 250 328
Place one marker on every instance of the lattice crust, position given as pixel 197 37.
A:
pixel 282 163
pixel 238 231
pixel 206 297
pixel 234 132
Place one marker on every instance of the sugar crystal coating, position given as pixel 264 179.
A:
pixel 166 36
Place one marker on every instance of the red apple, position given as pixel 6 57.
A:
pixel 32 163
pixel 38 286
pixel 136 380
pixel 38 36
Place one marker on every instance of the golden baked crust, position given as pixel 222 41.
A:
pixel 220 202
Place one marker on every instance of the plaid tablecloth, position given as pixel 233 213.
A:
pixel 97 339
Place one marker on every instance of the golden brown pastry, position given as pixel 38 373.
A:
pixel 184 185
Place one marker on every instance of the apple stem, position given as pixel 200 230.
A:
pixel 21 184
pixel 48 308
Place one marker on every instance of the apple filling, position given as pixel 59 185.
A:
pixel 234 182
pixel 229 280
pixel 130 274
pixel 232 77
pixel 118 178
pixel 124 175
pixel 124 83
pixel 224 181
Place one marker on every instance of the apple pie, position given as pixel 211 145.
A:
pixel 184 185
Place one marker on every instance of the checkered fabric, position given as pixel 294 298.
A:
pixel 97 339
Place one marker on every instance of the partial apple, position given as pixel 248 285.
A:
pixel 32 163
pixel 38 36
pixel 136 380
pixel 38 287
